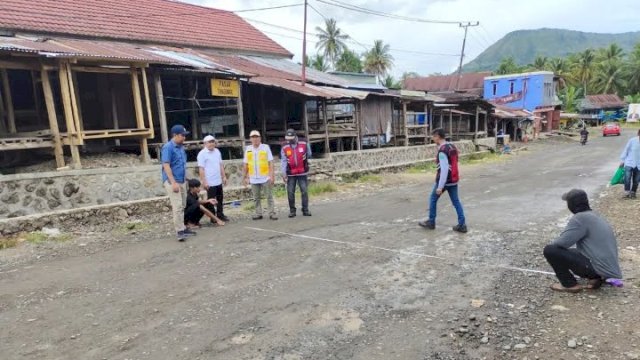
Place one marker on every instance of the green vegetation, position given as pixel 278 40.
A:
pixel 133 226
pixel 422 168
pixel 525 45
pixel 7 242
pixel 39 237
pixel 322 188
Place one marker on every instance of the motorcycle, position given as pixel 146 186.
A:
pixel 583 139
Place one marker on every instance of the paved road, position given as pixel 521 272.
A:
pixel 358 280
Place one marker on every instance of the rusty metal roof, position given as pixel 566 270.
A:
pixel 603 101
pixel 294 86
pixel 469 81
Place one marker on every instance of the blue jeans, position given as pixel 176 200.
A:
pixel 631 179
pixel 455 200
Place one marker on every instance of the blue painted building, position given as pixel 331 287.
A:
pixel 531 91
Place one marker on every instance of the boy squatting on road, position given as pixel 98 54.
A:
pixel 195 209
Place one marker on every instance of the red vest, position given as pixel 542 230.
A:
pixel 452 155
pixel 296 158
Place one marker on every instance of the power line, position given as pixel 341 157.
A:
pixel 350 40
pixel 318 12
pixel 383 14
pixel 268 8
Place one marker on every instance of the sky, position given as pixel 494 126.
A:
pixel 428 48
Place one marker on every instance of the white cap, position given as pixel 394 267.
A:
pixel 209 138
pixel 254 133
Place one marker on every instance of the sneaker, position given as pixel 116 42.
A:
pixel 306 213
pixel 257 217
pixel 223 218
pixel 273 217
pixel 292 214
pixel 189 232
pixel 427 224
pixel 627 196
pixel 460 228
pixel 633 195
pixel 182 236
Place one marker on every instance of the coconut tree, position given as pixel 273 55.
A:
pixel 560 67
pixel 331 41
pixel 583 68
pixel 569 97
pixel 612 52
pixel 508 66
pixel 349 61
pixel 390 83
pixel 539 63
pixel 318 62
pixel 608 77
pixel 632 70
pixel 378 60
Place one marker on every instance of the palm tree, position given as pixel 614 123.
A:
pixel 378 60
pixel 612 52
pixel 632 99
pixel 632 70
pixel 318 62
pixel 331 41
pixel 508 66
pixel 349 61
pixel 560 67
pixel 391 83
pixel 583 68
pixel 608 77
pixel 569 97
pixel 539 63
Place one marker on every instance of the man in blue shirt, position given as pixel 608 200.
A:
pixel 174 171
pixel 631 162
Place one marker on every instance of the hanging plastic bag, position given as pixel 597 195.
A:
pixel 618 177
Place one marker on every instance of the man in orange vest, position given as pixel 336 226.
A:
pixel 294 157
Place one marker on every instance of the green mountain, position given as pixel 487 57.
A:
pixel 525 45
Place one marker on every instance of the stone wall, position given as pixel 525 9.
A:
pixel 485 143
pixel 37 193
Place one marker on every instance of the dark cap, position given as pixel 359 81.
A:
pixel 179 130
pixel 575 195
pixel 290 135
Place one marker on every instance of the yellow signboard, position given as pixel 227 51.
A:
pixel 225 87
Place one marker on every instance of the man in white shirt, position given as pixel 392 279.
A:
pixel 258 171
pixel 212 175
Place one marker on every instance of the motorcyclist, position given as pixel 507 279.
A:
pixel 584 135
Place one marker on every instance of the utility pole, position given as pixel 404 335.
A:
pixel 304 46
pixel 464 43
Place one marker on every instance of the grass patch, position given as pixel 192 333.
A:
pixel 422 168
pixel 478 158
pixel 133 226
pixel 39 237
pixel 322 188
pixel 279 192
pixel 8 242
pixel 249 206
pixel 370 178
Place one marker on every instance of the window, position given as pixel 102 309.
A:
pixel 511 86
pixel 494 88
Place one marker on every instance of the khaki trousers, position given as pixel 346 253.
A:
pixel 178 202
pixel 266 189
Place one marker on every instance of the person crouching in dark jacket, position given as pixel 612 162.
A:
pixel 195 209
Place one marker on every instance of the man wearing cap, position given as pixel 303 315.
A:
pixel 212 175
pixel 174 172
pixel 295 168
pixel 595 255
pixel 258 171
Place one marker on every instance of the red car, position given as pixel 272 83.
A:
pixel 611 129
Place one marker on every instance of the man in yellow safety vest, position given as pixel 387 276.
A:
pixel 258 171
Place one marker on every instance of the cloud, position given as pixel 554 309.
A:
pixel 496 17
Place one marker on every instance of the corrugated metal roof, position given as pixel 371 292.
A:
pixel 469 81
pixel 603 101
pixel 294 70
pixel 295 86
